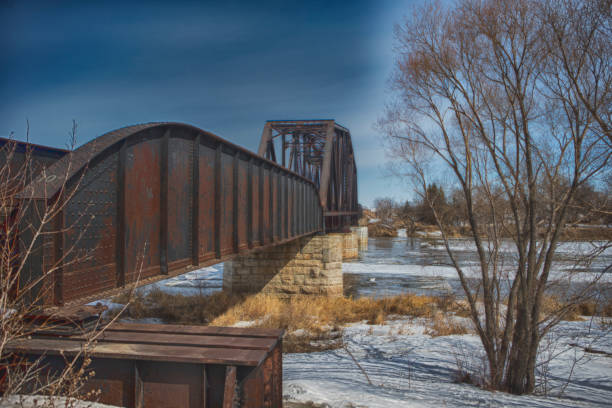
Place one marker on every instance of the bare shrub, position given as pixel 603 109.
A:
pixel 471 367
pixel 27 224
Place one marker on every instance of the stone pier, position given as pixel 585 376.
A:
pixel 350 245
pixel 306 266
pixel 354 241
pixel 362 237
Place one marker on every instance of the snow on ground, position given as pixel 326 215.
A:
pixel 408 368
pixel 32 401
pixel 106 302
pixel 205 280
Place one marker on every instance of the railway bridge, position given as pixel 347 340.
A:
pixel 150 201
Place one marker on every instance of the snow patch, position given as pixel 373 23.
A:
pixel 32 401
pixel 408 368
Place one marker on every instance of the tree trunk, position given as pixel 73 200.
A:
pixel 520 372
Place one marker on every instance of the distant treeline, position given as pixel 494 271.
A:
pixel 592 208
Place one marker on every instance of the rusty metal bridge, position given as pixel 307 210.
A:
pixel 150 201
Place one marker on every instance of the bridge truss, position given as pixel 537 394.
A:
pixel 321 151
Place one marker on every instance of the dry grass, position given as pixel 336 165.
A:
pixel 314 313
pixel 312 323
pixel 308 342
pixel 552 304
pixel 442 324
pixel 381 230
pixel 592 308
pixel 587 233
pixel 299 312
pixel 177 309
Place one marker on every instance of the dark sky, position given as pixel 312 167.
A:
pixel 225 67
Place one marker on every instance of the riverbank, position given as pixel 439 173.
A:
pixel 310 323
pixel 403 350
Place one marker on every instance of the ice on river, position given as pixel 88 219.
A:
pixel 416 265
pixel 573 247
pixel 433 271
pixel 202 281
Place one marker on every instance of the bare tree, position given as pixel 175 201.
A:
pixel 26 224
pixel 515 104
pixel 385 209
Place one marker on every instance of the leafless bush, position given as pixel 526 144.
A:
pixel 27 225
pixel 471 366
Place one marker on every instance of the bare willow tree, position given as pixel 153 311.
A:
pixel 512 99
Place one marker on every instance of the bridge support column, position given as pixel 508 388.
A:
pixel 306 266
pixel 354 241
pixel 350 245
pixel 362 237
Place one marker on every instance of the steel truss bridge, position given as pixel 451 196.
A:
pixel 150 201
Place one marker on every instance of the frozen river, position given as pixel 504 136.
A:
pixel 392 266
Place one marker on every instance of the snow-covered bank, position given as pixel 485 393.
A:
pixel 37 401
pixel 409 368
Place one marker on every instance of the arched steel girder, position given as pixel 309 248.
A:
pixel 155 200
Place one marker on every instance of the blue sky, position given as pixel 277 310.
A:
pixel 224 68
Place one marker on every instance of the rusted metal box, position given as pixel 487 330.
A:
pixel 155 366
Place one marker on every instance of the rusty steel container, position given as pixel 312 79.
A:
pixel 155 366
